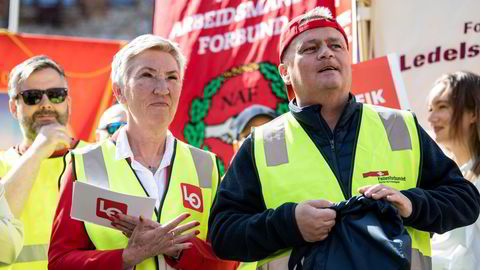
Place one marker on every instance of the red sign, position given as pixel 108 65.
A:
pixel 192 197
pixel 379 82
pixel 107 208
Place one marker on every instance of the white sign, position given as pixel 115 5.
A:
pixel 431 38
pixel 97 205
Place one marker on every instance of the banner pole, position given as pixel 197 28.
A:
pixel 13 16
pixel 355 41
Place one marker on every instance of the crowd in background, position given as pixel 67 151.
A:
pixel 106 19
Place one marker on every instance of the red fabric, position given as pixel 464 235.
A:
pixel 294 28
pixel 71 248
pixel 201 256
pixel 233 55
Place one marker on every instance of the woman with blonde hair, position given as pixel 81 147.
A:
pixel 454 109
pixel 143 158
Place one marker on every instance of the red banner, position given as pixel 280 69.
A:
pixel 87 67
pixel 232 47
pixel 346 17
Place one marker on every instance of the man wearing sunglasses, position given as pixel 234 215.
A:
pixel 39 100
pixel 112 119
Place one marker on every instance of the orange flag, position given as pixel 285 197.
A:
pixel 87 66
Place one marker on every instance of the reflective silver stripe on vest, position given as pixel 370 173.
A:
pixel 419 261
pixel 396 129
pixel 203 165
pixel 32 253
pixel 95 169
pixel 275 146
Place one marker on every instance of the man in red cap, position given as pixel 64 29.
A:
pixel 277 192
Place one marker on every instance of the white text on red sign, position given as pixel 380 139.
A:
pixel 374 97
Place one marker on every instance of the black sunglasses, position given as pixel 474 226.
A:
pixel 56 95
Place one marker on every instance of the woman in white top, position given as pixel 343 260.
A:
pixel 11 232
pixel 454 114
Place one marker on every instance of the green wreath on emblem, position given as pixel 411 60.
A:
pixel 194 131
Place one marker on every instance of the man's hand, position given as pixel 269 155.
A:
pixel 51 137
pixel 379 191
pixel 150 238
pixel 20 178
pixel 314 220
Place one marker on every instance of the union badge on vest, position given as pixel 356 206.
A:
pixel 192 197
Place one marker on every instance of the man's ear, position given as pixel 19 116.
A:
pixel 283 70
pixel 12 106
pixel 117 92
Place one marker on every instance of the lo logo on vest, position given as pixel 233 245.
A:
pixel 192 197
pixel 107 208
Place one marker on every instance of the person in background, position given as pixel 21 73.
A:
pixel 112 119
pixel 250 117
pixel 277 193
pixel 11 232
pixel 454 114
pixel 49 12
pixel 39 100
pixel 143 159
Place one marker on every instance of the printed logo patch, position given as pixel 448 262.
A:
pixel 375 174
pixel 107 208
pixel 192 197
pixel 384 177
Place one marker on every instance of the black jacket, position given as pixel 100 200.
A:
pixel 242 228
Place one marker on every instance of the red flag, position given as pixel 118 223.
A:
pixel 232 47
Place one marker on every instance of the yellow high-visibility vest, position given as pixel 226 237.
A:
pixel 387 151
pixel 193 182
pixel 38 212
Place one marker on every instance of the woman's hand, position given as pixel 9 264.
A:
pixel 149 238
pixel 127 224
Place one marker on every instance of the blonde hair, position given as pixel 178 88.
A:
pixel 139 45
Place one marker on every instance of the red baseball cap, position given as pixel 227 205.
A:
pixel 295 28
